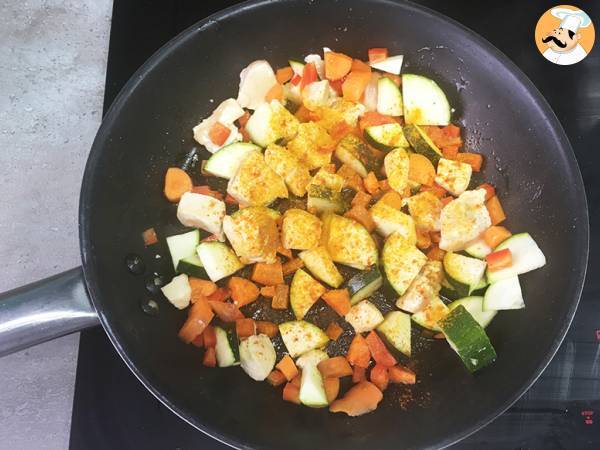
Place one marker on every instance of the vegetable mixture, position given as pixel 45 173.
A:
pixel 345 179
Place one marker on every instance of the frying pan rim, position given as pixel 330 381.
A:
pixel 582 238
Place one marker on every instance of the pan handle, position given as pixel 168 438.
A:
pixel 44 310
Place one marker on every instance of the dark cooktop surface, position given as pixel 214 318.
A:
pixel 562 409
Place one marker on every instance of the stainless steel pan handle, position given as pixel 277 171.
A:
pixel 44 310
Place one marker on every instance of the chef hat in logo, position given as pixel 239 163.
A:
pixel 570 19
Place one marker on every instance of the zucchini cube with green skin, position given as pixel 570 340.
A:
pixel 300 230
pixel 353 152
pixel 364 317
pixel 218 260
pixel 421 143
pixel 389 220
pixel 300 337
pixel 396 330
pixel 348 242
pixel 320 264
pixel 255 183
pixel 463 272
pixel 402 262
pixel 424 287
pixel 307 143
pixel 426 210
pixel 304 292
pixel 226 161
pixel 288 166
pixel 270 123
pixel 429 317
pixel 386 137
pixel 454 176
pixel 389 98
pixel 463 220
pixel 396 165
pixel 364 284
pixel 325 178
pixel 424 102
pixel 475 306
pixel 323 199
pixel 312 388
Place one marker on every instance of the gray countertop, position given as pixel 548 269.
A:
pixel 52 68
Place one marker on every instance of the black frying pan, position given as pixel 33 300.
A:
pixel 148 128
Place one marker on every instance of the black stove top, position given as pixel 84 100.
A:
pixel 562 409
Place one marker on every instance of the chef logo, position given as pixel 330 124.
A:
pixel 564 35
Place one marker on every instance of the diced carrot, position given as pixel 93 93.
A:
pixel 380 377
pixel 206 190
pixel 451 130
pixel 338 300
pixel 495 210
pixel 420 170
pixel 210 357
pixel 245 134
pixel 362 216
pixel 244 119
pixel 441 138
pixel 354 85
pixel 230 200
pixel 339 130
pixel 384 185
pixel 297 380
pixel 362 398
pixel 332 388
pixel 219 133
pixel 210 238
pixel 436 190
pixel 359 374
pixel 199 316
pixel 436 236
pixel 291 393
pixel 220 295
pixel 371 183
pixel 475 160
pixel 281 297
pixel 296 79
pixel 392 199
pixel 359 66
pixel 361 199
pixel 335 367
pixel 177 183
pixel 227 312
pixel 288 367
pixel 149 237
pixel 499 259
pixel 337 65
pixel 243 291
pixel 446 200
pixel 275 93
pixel 423 239
pixel 450 151
pixel 276 378
pixel 309 75
pixel 267 291
pixel 439 336
pixel 284 74
pixel 198 340
pixel 201 289
pixel 373 118
pixel 268 328
pixel 490 190
pixel 285 252
pixel 245 327
pixel 379 351
pixel 268 274
pixel 358 353
pixel 495 235
pixel 209 336
pixel 436 253
pixel 336 85
pixel 291 266
pixel 334 331
pixel 403 375
pixel 377 54
pixel 395 78
pixel 352 178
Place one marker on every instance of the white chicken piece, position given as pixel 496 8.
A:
pixel 316 94
pixel 202 211
pixel 226 113
pixel 464 220
pixel 255 82
pixel 253 234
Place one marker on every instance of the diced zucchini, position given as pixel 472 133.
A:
pixel 227 348
pixel 226 161
pixel 526 256
pixel 386 137
pixel 325 178
pixel 191 266
pixel 218 260
pixel 392 64
pixel 448 291
pixel 320 264
pixel 312 389
pixel 300 230
pixel 300 337
pixel 423 289
pixel 324 199
pixel 389 220
pixel 475 307
pixel 431 315
pixel 389 98
pixel 257 356
pixel 364 284
pixel 348 242
pixel 402 262
pixel 270 123
pixel 463 220
pixel 396 165
pixel 468 339
pixel 396 329
pixel 304 292
pixel 424 102
pixel 288 166
pixel 463 272
pixel 364 316
pixel 297 67
pixel 504 294
pixel 351 151
pixel 421 143
pixel 478 249
pixel 454 176
pixel 178 291
pixel 183 245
